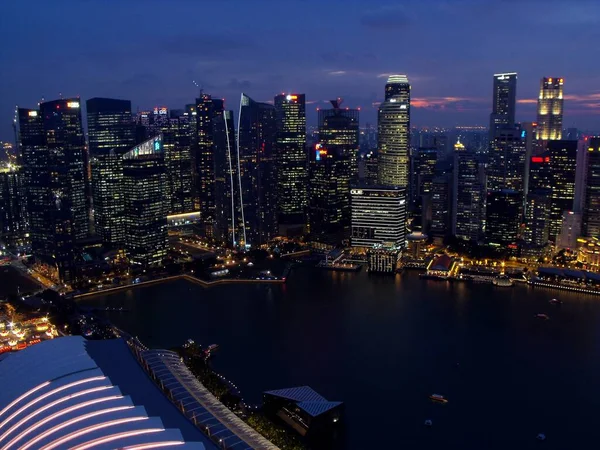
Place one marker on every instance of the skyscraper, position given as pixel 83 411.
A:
pixel 13 223
pixel 550 109
pixel 394 133
pixel 292 158
pixel 440 206
pixel 506 163
pixel 111 133
pixel 144 182
pixel 504 213
pixel 468 212
pixel 537 217
pixel 333 168
pixel 257 171
pixel 207 109
pixel 591 204
pixel 503 102
pixel 178 133
pixel 563 162
pixel 63 133
pixel 424 162
pixel 378 216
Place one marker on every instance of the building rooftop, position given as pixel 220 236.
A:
pixel 78 394
pixel 307 399
pixel 397 79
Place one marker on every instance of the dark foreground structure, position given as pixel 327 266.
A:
pixel 304 410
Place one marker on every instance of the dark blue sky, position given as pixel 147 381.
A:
pixel 150 51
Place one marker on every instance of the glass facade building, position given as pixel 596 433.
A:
pixel 111 133
pixel 468 211
pixel 591 204
pixel 503 102
pixel 504 212
pixel 178 135
pixel 394 133
pixel 292 158
pixel 146 203
pixel 550 109
pixel 257 171
pixel 563 162
pixel 506 161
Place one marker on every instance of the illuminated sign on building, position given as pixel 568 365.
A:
pixel 73 104
pixel 356 192
pixel 291 97
pixel 32 113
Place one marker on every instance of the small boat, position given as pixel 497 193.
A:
pixel 438 398
pixel 541 437
pixel 555 301
pixel 542 316
pixel 428 423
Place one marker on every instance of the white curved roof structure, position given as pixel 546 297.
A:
pixel 78 394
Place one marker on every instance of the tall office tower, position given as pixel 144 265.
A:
pixel 540 173
pixel 504 211
pixel 207 110
pixel 47 181
pixel 393 124
pixel 13 221
pixel 292 158
pixel 144 183
pixel 506 163
pixel 63 133
pixel 227 222
pixel 468 212
pixel 333 169
pixel 440 207
pixel 423 171
pixel 503 102
pixel 563 161
pixel 258 178
pixel 378 216
pixel 550 109
pixel 591 203
pixel 570 231
pixel 537 217
pixel 368 138
pixel 178 133
pixel 111 134
pixel 370 168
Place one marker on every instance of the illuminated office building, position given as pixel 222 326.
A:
pixel 394 133
pixel 537 217
pixel 563 161
pixel 292 158
pixel 52 146
pixel 178 133
pixel 227 222
pixel 504 213
pixel 441 203
pixel 144 189
pixel 423 171
pixel 370 168
pixel 468 212
pixel 550 109
pixel 506 161
pixel 13 220
pixel 333 169
pixel 540 172
pixel 378 216
pixel 503 102
pixel 591 203
pixel 111 134
pixel 258 176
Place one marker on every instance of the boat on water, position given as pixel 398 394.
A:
pixel 542 316
pixel 555 301
pixel 503 281
pixel 438 398
pixel 212 347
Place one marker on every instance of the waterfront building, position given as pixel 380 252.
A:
pixel 146 203
pixel 506 161
pixel 591 203
pixel 378 216
pixel 227 223
pixel 394 133
pixel 258 176
pixel 550 109
pixel 504 213
pixel 563 162
pixel 570 230
pixel 111 133
pixel 503 102
pixel 537 217
pixel 417 246
pixel 303 409
pixel 13 219
pixel 178 136
pixel 333 169
pixel 291 159
pixel 588 252
pixel 468 211
pixel 442 266
pixel 205 178
pixel 440 207
pixel 383 258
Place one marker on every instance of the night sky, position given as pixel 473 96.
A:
pixel 151 51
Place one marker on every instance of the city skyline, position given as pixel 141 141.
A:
pixel 157 65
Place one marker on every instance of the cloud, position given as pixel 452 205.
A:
pixel 386 18
pixel 450 103
pixel 337 72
